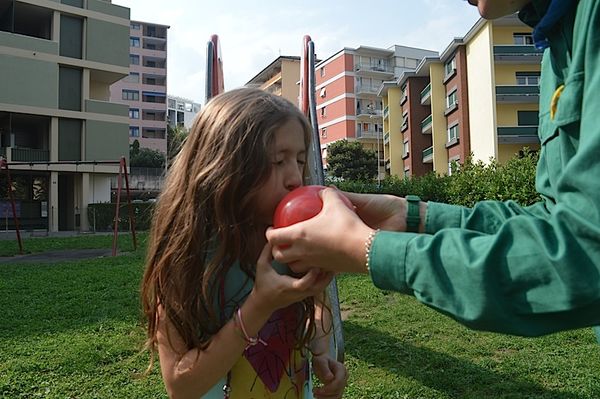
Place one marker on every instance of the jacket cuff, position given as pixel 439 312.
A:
pixel 387 260
pixel 440 216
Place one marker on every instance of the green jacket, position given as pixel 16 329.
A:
pixel 522 270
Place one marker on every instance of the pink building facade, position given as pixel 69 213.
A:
pixel 145 89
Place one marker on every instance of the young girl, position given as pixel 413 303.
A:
pixel 225 321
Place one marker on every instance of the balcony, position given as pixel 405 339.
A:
pixel 19 154
pixel 366 89
pixel 428 155
pixel 106 107
pixel 524 54
pixel 386 112
pixel 518 135
pixel 518 94
pixel 386 138
pixel 371 134
pixel 377 69
pixel 427 125
pixel 366 112
pixel 426 95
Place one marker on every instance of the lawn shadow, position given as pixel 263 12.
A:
pixel 456 377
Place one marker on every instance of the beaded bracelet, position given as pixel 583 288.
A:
pixel 368 244
pixel 250 341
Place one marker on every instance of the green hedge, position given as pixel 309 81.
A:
pixel 102 216
pixel 472 182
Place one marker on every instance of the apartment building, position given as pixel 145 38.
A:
pixel 144 91
pixel 280 77
pixel 347 84
pixel 57 126
pixel 181 111
pixel 479 96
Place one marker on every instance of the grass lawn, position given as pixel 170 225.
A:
pixel 73 330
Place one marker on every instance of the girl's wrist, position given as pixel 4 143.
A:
pixel 256 305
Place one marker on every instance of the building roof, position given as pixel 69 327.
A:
pixel 270 70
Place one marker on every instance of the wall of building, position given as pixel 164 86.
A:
pixel 438 106
pixel 481 90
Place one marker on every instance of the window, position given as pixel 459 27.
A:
pixel 523 39
pixel 69 88
pixel 134 113
pixel 134 59
pixel 134 131
pixel 452 99
pixel 324 133
pixel 406 173
pixel 528 78
pixel 71 36
pixel 131 95
pixel 134 42
pixel 450 67
pixel 323 112
pixel 453 133
pixel 323 92
pixel 322 69
pixel 135 26
pixel 527 118
pixel 405 149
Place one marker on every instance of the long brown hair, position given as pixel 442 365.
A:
pixel 203 223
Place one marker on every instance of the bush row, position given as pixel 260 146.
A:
pixel 469 183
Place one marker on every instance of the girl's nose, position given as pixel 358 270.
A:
pixel 293 179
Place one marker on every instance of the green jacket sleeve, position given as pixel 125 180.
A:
pixel 525 271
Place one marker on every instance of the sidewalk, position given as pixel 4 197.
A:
pixel 58 256
pixel 12 235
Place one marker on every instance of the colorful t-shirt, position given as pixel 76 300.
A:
pixel 274 371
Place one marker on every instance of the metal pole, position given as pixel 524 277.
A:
pixel 337 338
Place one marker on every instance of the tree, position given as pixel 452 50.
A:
pixel 175 138
pixel 350 161
pixel 145 157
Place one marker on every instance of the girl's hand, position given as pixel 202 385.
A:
pixel 274 291
pixel 332 374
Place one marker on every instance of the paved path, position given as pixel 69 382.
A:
pixel 57 256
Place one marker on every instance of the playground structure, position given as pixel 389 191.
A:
pixel 4 167
pixel 307 103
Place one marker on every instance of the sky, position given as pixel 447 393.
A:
pixel 254 33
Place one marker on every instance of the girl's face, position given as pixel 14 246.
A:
pixel 288 158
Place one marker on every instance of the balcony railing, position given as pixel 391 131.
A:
pixel 386 112
pixel 374 112
pixel 387 69
pixel 428 155
pixel 25 154
pixel 426 95
pixel 386 138
pixel 367 134
pixel 518 93
pixel 516 53
pixel 369 89
pixel 426 125
pixel 518 134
